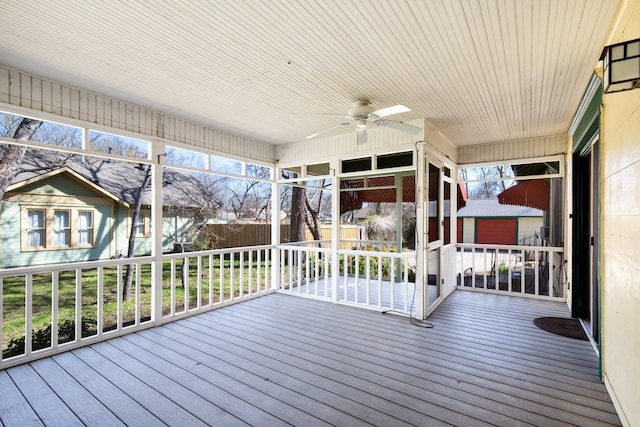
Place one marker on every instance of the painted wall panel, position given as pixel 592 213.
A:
pixel 510 150
pixel 378 138
pixel 528 227
pixel 620 218
pixel 468 230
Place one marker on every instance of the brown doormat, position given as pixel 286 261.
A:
pixel 560 326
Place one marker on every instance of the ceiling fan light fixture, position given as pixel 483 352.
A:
pixel 361 124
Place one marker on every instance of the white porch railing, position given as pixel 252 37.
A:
pixel 51 308
pixel 531 271
pixel 305 269
pixel 366 278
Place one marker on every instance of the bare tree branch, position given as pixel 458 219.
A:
pixel 13 154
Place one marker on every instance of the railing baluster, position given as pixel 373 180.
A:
pixel 259 270
pixel 232 274
pixel 346 278
pixel 199 282
pixel 379 258
pixel 55 310
pixel 550 276
pixel 250 274
pixel 509 269
pixel 210 278
pixel 473 268
pixel 185 281
pixel 241 279
pixel 392 278
pixel 367 269
pixel 119 296
pixel 356 267
pixel 316 271
pixel 28 312
pixel 290 265
pixel 327 279
pixel 405 279
pixel 78 336
pixel 536 272
pixel 266 262
pixel 222 285
pixel 100 300
pixel 298 271
pixel 173 287
pixel 136 320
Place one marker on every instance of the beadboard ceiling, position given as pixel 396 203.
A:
pixel 479 71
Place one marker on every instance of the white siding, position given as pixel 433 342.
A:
pixel 529 226
pixel 522 149
pixel 378 139
pixel 34 94
pixel 620 236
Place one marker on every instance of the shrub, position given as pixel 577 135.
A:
pixel 42 337
pixel 503 269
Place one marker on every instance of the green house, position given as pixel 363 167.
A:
pixel 63 208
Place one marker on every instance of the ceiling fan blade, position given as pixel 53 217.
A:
pixel 361 134
pixel 396 109
pixel 313 135
pixel 400 126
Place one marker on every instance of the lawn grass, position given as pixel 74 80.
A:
pixel 13 321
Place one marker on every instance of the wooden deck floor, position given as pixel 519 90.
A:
pixel 281 360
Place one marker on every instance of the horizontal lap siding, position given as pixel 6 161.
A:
pixel 19 89
pixel 511 150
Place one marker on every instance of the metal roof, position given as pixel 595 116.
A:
pixel 492 208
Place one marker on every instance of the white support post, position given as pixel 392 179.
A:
pixel 421 245
pixel 275 229
pixel 157 155
pixel 399 194
pixel 335 233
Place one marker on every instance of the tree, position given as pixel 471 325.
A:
pixel 126 291
pixel 488 181
pixel 298 213
pixel 305 207
pixel 14 154
pixel 314 207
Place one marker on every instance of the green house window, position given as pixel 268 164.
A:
pixel 85 228
pixel 55 228
pixel 35 228
pixel 61 228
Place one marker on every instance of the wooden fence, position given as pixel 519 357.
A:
pixel 238 235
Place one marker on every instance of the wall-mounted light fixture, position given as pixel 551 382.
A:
pixel 621 66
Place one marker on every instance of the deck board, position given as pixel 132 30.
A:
pixel 112 397
pixel 445 367
pixel 82 403
pixel 282 360
pixel 44 401
pixel 14 408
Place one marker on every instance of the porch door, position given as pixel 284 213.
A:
pixel 586 237
pixel 433 202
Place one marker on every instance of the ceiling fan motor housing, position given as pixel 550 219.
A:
pixel 360 110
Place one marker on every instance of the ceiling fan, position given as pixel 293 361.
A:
pixel 363 113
